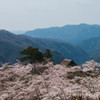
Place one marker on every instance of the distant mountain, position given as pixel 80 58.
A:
pixel 91 46
pixel 96 57
pixel 58 57
pixel 11 45
pixel 70 33
pixel 69 51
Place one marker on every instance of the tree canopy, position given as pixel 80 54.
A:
pixel 33 55
pixel 47 54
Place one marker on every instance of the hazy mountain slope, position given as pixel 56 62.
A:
pixel 96 57
pixel 69 51
pixel 58 57
pixel 70 33
pixel 92 46
pixel 2 59
pixel 11 44
pixel 8 50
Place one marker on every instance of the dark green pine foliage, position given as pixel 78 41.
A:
pixel 31 55
pixel 48 54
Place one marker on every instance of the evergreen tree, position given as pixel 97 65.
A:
pixel 48 54
pixel 31 55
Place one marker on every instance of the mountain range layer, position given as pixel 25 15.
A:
pixel 11 45
pixel 92 47
pixel 70 33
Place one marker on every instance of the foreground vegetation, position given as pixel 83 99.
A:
pixel 55 82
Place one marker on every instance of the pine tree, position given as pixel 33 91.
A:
pixel 31 55
pixel 34 56
pixel 48 54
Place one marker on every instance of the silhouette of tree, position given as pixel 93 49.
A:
pixel 31 55
pixel 48 54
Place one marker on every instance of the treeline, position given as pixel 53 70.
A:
pixel 34 55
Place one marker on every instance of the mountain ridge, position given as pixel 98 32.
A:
pixel 11 45
pixel 69 33
pixel 91 46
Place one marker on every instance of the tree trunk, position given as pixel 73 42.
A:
pixel 34 68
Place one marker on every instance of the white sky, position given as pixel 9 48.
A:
pixel 31 14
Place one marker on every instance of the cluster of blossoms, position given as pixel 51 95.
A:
pixel 56 82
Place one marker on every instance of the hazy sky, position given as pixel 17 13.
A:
pixel 31 14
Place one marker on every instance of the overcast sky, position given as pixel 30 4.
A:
pixel 32 14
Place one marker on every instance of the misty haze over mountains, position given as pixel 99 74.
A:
pixel 11 45
pixel 76 42
pixel 70 33
pixel 84 35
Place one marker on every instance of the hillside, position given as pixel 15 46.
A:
pixel 11 44
pixel 96 57
pixel 91 46
pixel 56 82
pixel 69 51
pixel 70 33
